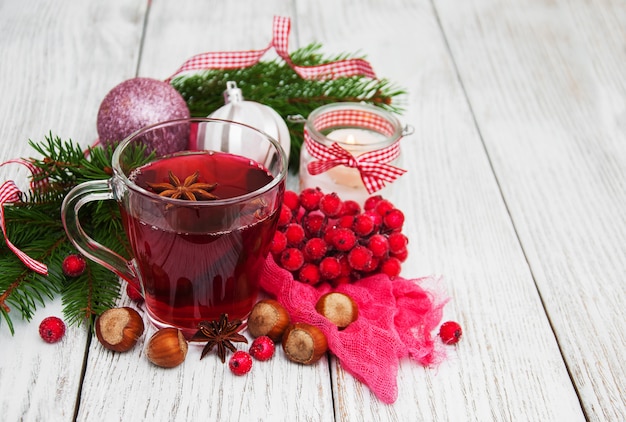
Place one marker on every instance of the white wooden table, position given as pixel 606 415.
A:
pixel 516 195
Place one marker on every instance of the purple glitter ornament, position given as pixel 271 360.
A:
pixel 140 102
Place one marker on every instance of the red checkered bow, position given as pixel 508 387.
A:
pixel 280 41
pixel 373 165
pixel 9 192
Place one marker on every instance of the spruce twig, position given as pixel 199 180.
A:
pixel 34 225
pixel 277 85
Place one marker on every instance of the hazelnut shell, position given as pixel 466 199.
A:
pixel 304 343
pixel 167 348
pixel 268 318
pixel 338 308
pixel 118 329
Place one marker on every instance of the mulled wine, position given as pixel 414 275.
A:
pixel 199 221
pixel 199 259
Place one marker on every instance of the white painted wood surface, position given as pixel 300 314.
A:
pixel 516 197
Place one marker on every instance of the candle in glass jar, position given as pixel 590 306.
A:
pixel 356 142
pixel 357 129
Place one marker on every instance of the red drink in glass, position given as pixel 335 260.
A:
pixel 193 259
pixel 199 263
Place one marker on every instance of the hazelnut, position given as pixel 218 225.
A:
pixel 167 348
pixel 339 308
pixel 304 343
pixel 118 329
pixel 268 318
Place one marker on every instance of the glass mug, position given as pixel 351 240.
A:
pixel 193 259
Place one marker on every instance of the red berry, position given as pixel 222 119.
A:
pixel 285 216
pixel 378 244
pixel 51 329
pixel 240 362
pixel 313 224
pixel 314 249
pixel 330 268
pixel 383 206
pixel 309 274
pixel 262 348
pixel 73 265
pixel 292 259
pixel 360 258
pixel 377 218
pixel 401 255
pixel 133 294
pixel 345 221
pixel 450 332
pixel 291 200
pixel 350 207
pixel 279 242
pixel 391 266
pixel 310 198
pixel 294 234
pixel 370 203
pixel 346 269
pixel 343 239
pixel 397 242
pixel 330 204
pixel 363 224
pixel 328 234
pixel 342 279
pixel 372 266
pixel 393 219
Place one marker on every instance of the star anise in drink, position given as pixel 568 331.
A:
pixel 219 333
pixel 189 189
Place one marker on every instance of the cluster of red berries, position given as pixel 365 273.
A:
pixel 262 349
pixel 321 238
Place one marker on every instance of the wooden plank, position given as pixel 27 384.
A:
pixel 126 386
pixel 59 61
pixel 508 366
pixel 40 381
pixel 546 83
pixel 52 79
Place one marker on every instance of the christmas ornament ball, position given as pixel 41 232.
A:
pixel 251 113
pixel 140 102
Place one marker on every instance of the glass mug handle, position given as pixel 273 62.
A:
pixel 96 190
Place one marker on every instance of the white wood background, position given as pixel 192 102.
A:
pixel 516 196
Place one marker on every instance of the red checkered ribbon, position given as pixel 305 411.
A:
pixel 280 41
pixel 373 165
pixel 9 192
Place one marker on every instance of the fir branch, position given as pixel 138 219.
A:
pixel 34 225
pixel 90 294
pixel 25 293
pixel 22 289
pixel 66 164
pixel 275 84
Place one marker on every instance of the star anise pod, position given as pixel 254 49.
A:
pixel 190 189
pixel 221 334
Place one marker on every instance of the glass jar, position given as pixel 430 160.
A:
pixel 352 149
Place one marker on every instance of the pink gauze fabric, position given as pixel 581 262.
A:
pixel 396 318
